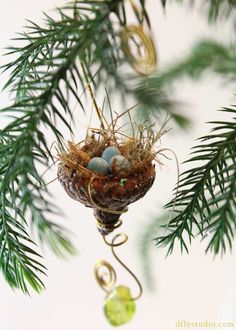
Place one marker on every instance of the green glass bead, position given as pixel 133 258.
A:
pixel 119 307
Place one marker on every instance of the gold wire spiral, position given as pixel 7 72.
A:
pixel 107 279
pixel 146 64
pixel 105 275
pixel 109 227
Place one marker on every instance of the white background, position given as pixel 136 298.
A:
pixel 192 287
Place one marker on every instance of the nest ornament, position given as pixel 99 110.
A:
pixel 109 170
pixel 106 172
pixel 107 175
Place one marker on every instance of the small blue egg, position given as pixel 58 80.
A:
pixel 118 163
pixel 110 152
pixel 98 165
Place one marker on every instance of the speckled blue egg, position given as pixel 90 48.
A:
pixel 98 165
pixel 110 152
pixel 118 163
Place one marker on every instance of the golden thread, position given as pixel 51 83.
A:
pixel 143 65
pixel 105 275
pixel 123 238
pixel 92 95
pixel 138 12
pixel 98 206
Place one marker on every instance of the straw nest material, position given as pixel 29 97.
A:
pixel 109 195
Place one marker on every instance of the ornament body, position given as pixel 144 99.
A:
pixel 110 192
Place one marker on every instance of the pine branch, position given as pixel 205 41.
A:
pixel 44 78
pixel 48 46
pixel 219 8
pixel 18 261
pixel 37 89
pixel 100 50
pixel 206 56
pixel 215 8
pixel 206 199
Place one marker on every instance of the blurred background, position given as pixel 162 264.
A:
pixel 195 287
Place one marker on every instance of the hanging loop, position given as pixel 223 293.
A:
pixel 142 64
pixel 105 275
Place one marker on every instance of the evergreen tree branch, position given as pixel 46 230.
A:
pixel 48 46
pixel 206 56
pixel 19 262
pixel 100 50
pixel 218 8
pixel 215 8
pixel 206 198
pixel 44 77
pixel 25 145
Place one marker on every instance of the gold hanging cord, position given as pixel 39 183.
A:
pixel 138 11
pixel 99 113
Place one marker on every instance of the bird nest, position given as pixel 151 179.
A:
pixel 110 194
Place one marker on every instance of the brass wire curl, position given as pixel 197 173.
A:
pixel 105 275
pixel 143 65
pixel 107 280
pixel 110 282
pixel 109 227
